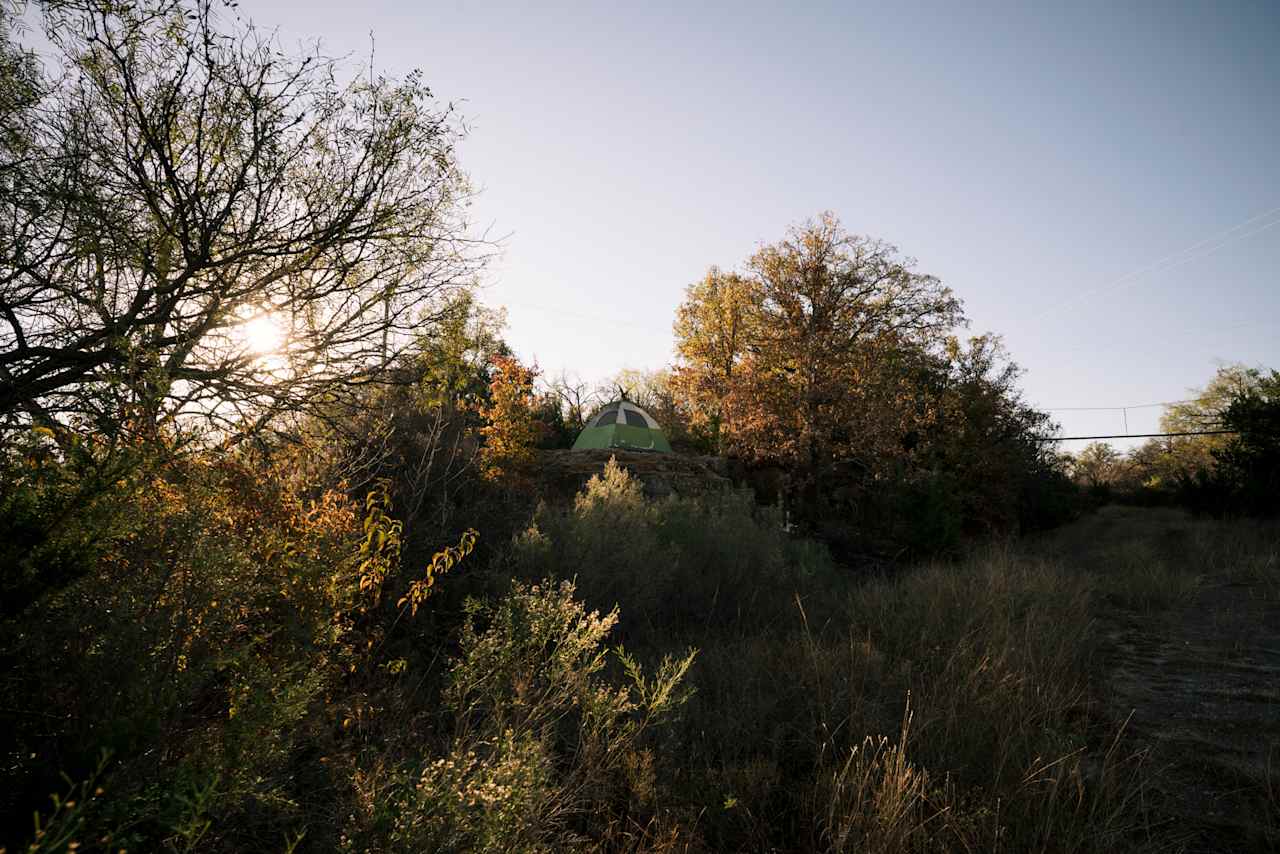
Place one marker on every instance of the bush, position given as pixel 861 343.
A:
pixel 802 666
pixel 61 507
pixel 196 637
pixel 673 564
pixel 545 748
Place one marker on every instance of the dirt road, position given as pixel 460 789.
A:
pixel 1198 674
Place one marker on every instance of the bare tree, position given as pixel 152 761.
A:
pixel 180 179
pixel 578 400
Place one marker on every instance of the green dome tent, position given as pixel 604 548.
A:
pixel 623 425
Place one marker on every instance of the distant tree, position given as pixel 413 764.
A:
pixel 555 432
pixel 1249 463
pixel 1148 468
pixel 1184 456
pixel 1097 465
pixel 642 387
pixel 840 323
pixel 830 357
pixel 714 327
pixel 1167 465
pixel 577 400
pixel 1205 408
pixel 511 429
pixel 983 438
pixel 451 360
pixel 181 176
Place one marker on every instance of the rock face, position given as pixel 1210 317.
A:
pixel 562 474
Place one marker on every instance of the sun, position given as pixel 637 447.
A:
pixel 263 333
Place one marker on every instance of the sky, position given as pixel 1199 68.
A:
pixel 1098 182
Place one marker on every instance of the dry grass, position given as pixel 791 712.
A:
pixel 954 706
pixel 1269 795
pixel 950 706
pixel 1154 558
pixel 997 750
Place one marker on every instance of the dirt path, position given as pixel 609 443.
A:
pixel 1202 681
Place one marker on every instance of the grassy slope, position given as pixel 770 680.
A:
pixel 976 705
pixel 952 706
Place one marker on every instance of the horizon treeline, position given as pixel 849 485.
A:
pixel 1234 469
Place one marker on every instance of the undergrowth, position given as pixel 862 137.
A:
pixel 946 707
pixel 280 679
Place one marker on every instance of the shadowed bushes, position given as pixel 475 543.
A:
pixel 194 641
pixel 270 688
pixel 678 563
pixel 943 708
pixel 250 664
pixel 544 747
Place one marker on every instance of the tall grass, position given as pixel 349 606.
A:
pixel 949 706
pixel 1151 559
pixel 800 726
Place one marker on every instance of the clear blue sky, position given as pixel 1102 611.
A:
pixel 1031 157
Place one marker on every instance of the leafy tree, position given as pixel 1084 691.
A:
pixel 180 178
pixel 451 361
pixel 1204 411
pixel 831 357
pixel 1150 466
pixel 833 320
pixel 511 428
pixel 21 89
pixel 556 431
pixel 714 327
pixel 1097 465
pixel 1183 456
pixel 987 442
pixel 1249 464
pixel 1170 468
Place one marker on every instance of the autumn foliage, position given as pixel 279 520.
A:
pixel 831 357
pixel 510 431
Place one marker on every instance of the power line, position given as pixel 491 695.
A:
pixel 1175 259
pixel 1137 436
pixel 1114 408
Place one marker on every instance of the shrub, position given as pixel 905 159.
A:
pixel 497 796
pixel 673 564
pixel 209 621
pixel 61 506
pixel 544 746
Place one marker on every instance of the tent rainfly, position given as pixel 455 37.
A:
pixel 624 425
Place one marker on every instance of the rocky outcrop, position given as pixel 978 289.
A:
pixel 562 474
